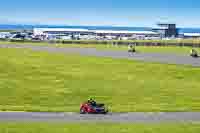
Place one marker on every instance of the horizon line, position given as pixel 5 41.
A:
pixel 126 26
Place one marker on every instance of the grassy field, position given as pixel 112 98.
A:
pixel 142 49
pixel 98 128
pixel 172 41
pixel 40 81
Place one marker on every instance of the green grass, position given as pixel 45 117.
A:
pixel 173 41
pixel 142 49
pixel 40 81
pixel 23 43
pixel 98 128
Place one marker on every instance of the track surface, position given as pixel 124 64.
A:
pixel 149 57
pixel 112 117
pixel 115 117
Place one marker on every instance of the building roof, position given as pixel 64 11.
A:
pixel 123 32
pixel 192 34
pixel 61 29
pixel 159 28
pixel 92 31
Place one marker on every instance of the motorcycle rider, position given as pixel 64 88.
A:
pixel 92 102
pixel 131 48
pixel 193 52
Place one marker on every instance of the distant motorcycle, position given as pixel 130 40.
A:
pixel 194 53
pixel 132 50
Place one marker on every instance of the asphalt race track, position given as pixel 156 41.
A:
pixel 147 57
pixel 112 117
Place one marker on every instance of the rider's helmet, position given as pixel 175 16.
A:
pixel 90 99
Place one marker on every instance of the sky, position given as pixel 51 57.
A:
pixel 133 13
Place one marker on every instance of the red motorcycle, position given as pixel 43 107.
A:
pixel 88 108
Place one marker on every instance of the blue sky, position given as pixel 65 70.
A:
pixel 185 13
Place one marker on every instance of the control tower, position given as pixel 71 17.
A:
pixel 166 30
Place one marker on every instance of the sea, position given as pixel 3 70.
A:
pixel 30 27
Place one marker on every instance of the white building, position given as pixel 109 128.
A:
pixel 85 34
pixel 191 35
pixel 44 31
pixel 4 34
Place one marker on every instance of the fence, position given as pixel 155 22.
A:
pixel 188 43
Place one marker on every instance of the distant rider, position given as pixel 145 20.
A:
pixel 193 52
pixel 131 48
